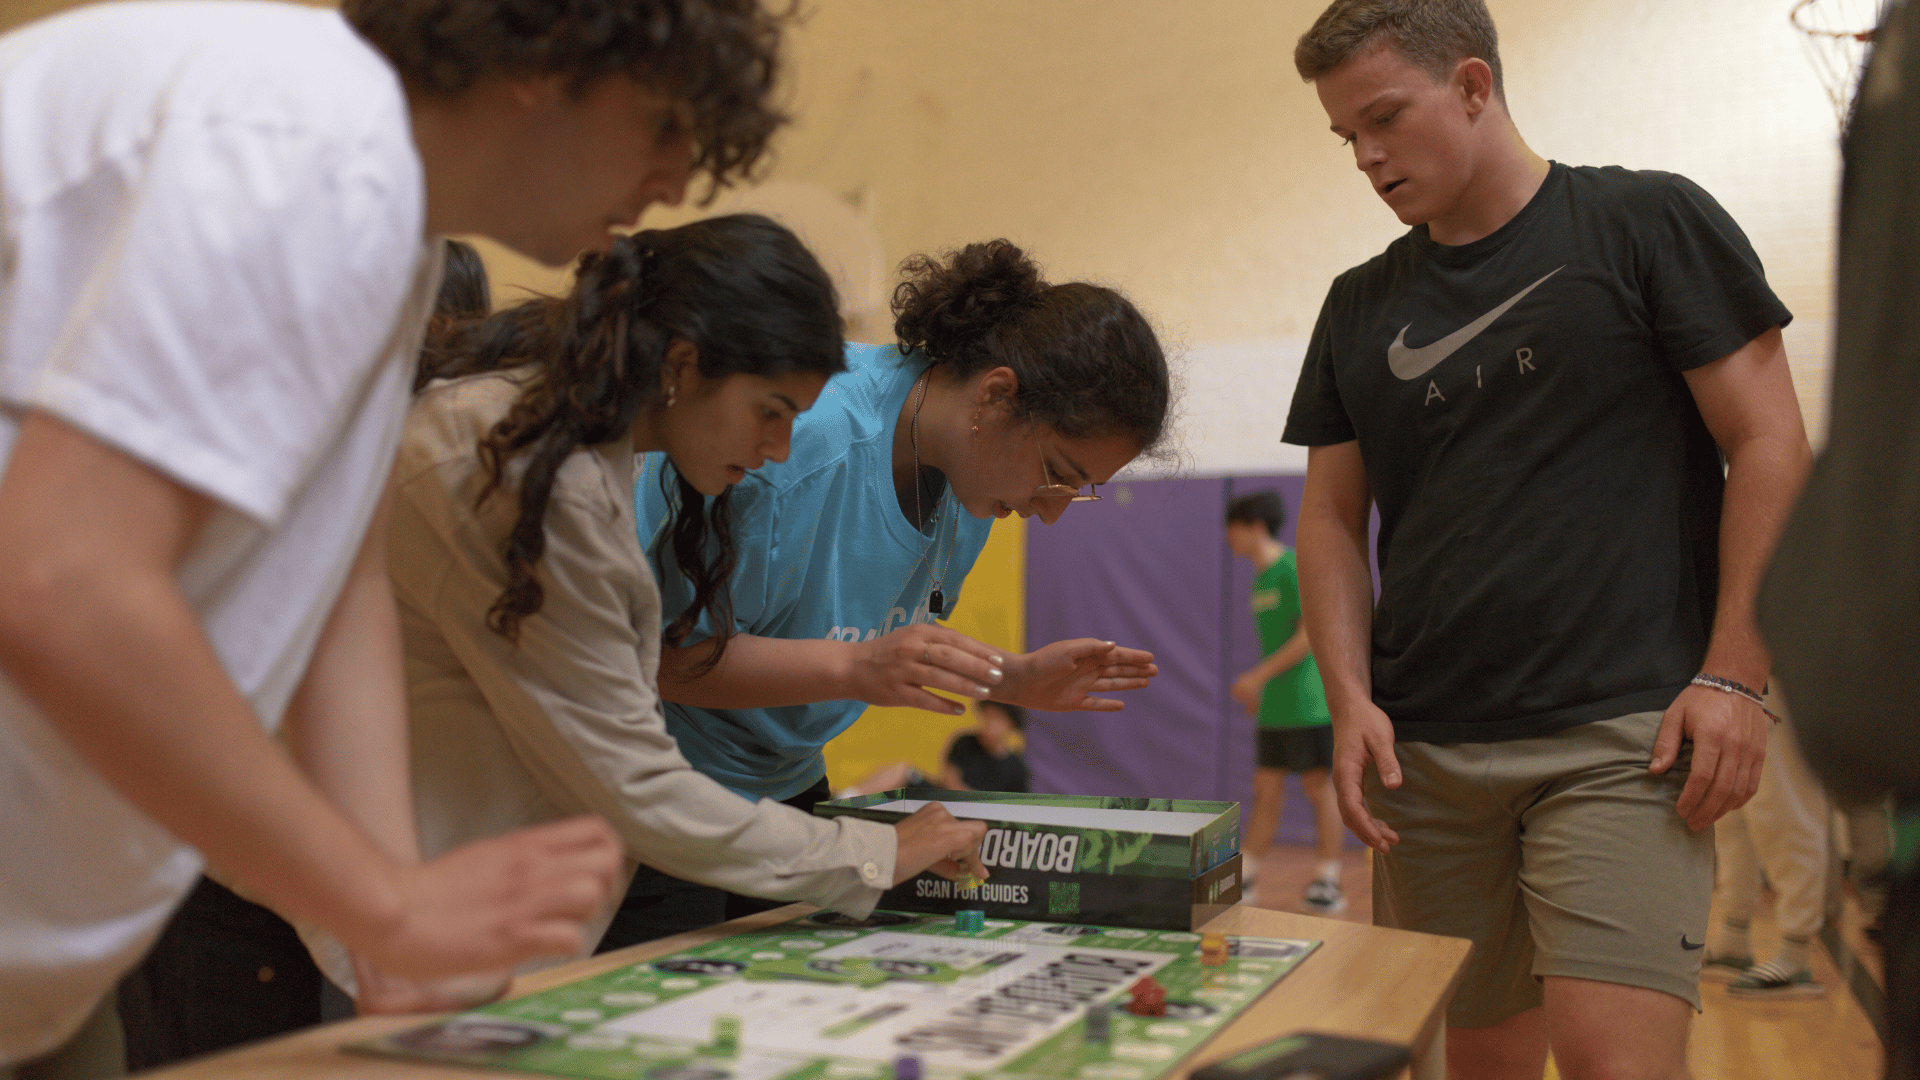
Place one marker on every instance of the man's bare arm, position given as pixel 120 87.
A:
pixel 1336 595
pixel 95 632
pixel 1748 402
pixel 347 724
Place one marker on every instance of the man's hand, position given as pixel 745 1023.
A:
pixel 1064 676
pixel 934 839
pixel 381 994
pixel 1729 736
pixel 1247 690
pixel 496 903
pixel 1359 739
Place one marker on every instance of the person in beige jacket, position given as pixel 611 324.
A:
pixel 530 616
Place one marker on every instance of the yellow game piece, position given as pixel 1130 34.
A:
pixel 972 882
pixel 1213 949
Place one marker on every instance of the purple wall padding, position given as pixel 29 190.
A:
pixel 1143 568
pixel 1149 567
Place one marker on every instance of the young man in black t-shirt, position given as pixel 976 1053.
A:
pixel 1537 385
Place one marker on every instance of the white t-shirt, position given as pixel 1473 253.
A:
pixel 211 258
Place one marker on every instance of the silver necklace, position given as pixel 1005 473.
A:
pixel 936 602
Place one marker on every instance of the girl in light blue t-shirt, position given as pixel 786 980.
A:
pixel 1005 395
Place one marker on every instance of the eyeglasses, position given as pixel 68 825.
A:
pixel 1053 489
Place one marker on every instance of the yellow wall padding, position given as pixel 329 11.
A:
pixel 992 609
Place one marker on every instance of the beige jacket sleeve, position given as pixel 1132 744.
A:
pixel 576 699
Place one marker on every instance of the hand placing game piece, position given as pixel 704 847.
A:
pixel 931 838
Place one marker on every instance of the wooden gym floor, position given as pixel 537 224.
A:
pixel 1826 1038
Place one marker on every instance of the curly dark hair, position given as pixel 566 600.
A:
pixel 741 288
pixel 719 58
pixel 1087 362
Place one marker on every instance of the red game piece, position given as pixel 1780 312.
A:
pixel 1149 998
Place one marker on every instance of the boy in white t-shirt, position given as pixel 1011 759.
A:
pixel 214 270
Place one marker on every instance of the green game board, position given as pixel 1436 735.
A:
pixel 829 998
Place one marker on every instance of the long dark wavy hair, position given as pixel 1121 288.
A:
pixel 464 297
pixel 1089 365
pixel 741 289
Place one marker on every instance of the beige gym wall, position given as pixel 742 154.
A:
pixel 1167 148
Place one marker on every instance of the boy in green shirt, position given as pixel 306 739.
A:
pixel 1283 691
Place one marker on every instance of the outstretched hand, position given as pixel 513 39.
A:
pixel 1359 740
pixel 900 668
pixel 1729 735
pixel 1064 676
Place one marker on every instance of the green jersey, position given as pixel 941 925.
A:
pixel 1293 698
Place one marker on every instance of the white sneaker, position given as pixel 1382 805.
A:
pixel 1323 897
pixel 1772 980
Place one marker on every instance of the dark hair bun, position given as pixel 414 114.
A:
pixel 947 308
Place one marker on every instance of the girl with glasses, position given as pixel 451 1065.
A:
pixel 1004 395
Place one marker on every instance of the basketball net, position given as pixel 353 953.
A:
pixel 1837 35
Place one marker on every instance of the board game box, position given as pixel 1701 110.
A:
pixel 831 998
pixel 1169 864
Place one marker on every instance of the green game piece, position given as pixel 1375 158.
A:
pixel 726 1036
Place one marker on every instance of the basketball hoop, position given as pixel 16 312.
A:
pixel 1837 36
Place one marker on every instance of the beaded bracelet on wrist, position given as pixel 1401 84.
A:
pixel 1734 688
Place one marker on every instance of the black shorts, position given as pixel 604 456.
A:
pixel 1298 749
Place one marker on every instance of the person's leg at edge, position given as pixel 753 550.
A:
pixel 1513 1049
pixel 1729 949
pixel 1787 822
pixel 1263 819
pixel 1323 894
pixel 1900 940
pixel 1585 1021
pixel 1329 834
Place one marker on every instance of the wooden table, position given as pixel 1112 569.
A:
pixel 1363 981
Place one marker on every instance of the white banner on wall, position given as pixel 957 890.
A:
pixel 1236 394
pixel 1234 405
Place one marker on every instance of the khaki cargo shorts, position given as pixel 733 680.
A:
pixel 1558 855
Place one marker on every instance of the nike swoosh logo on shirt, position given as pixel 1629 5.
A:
pixel 1413 363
